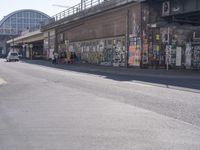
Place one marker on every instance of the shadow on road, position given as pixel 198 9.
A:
pixel 188 80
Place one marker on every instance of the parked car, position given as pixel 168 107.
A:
pixel 20 56
pixel 12 56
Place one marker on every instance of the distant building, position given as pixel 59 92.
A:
pixel 126 33
pixel 16 22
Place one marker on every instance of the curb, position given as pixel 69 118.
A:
pixel 125 71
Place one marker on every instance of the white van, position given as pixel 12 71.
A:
pixel 12 56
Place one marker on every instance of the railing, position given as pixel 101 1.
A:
pixel 83 6
pixel 86 4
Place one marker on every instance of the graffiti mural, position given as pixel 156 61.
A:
pixel 145 33
pixel 109 52
pixel 178 56
pixel 185 46
pixel 135 26
pixel 173 52
pixel 196 56
pixel 134 51
pixel 119 53
pixel 188 57
pixel 145 52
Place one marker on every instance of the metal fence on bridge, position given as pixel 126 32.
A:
pixel 84 6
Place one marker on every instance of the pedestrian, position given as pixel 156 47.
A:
pixel 152 60
pixel 55 58
pixel 71 57
pixel 157 64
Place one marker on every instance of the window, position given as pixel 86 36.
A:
pixel 32 20
pixel 38 15
pixel 7 23
pixel 19 14
pixel 20 26
pixel 13 20
pixel 26 20
pixel 32 25
pixel 14 54
pixel 32 15
pixel 26 14
pixel 13 26
pixel 19 20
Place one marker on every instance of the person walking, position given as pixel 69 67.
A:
pixel 55 58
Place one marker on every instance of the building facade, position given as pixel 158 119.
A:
pixel 127 33
pixel 16 22
pixel 178 29
pixel 97 35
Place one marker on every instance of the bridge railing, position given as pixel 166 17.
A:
pixel 81 7
pixel 86 4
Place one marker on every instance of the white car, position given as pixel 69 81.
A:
pixel 12 56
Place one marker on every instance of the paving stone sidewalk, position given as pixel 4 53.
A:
pixel 83 67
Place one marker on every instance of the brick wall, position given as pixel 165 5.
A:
pixel 107 24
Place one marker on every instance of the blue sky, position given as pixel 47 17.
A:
pixel 46 6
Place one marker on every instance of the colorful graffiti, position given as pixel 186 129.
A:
pixel 110 52
pixel 145 52
pixel 134 51
pixel 188 57
pixel 196 56
pixel 119 53
pixel 173 52
pixel 184 46
pixel 156 47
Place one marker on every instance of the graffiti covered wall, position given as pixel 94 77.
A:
pixel 109 52
pixel 135 37
pixel 49 44
pixel 145 33
pixel 184 46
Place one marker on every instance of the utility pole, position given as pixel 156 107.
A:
pixel 168 49
pixel 127 38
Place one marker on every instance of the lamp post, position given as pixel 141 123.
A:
pixel 167 50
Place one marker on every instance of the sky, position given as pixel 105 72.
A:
pixel 46 6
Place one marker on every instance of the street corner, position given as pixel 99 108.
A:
pixel 2 81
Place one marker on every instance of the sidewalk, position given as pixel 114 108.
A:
pixel 192 74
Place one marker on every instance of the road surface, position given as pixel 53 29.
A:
pixel 45 108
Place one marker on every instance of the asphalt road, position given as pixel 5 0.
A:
pixel 44 108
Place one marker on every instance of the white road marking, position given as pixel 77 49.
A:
pixel 2 81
